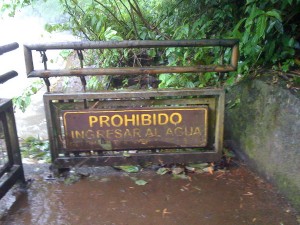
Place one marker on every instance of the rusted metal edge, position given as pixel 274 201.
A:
pixel 137 158
pixel 131 71
pixel 8 47
pixel 233 43
pixel 80 45
pixel 135 93
pixel 7 76
pixel 4 49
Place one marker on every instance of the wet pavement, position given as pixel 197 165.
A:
pixel 106 196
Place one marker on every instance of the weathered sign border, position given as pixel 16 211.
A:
pixel 55 103
pixel 135 128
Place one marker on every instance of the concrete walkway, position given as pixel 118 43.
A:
pixel 105 196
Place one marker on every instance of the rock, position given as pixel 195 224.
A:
pixel 262 124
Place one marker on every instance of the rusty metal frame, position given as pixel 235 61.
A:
pixel 79 46
pixel 12 171
pixel 213 98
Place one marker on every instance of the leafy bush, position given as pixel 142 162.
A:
pixel 266 30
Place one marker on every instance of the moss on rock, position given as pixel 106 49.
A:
pixel 265 126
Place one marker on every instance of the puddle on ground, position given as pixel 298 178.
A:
pixel 237 197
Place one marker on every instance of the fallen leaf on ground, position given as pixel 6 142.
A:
pixel 199 171
pixel 191 169
pixel 128 169
pixel 165 211
pixel 199 165
pixel 141 182
pixel 209 169
pixel 104 179
pixel 162 171
pixel 180 176
pixel 177 170
pixel 197 188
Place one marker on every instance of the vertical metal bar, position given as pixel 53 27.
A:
pixel 28 60
pixel 47 82
pixel 212 120
pixel 235 56
pixel 44 59
pixel 6 137
pixel 82 78
pixel 220 123
pixel 50 127
pixel 221 74
pixel 13 139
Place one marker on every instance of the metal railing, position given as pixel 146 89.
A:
pixel 83 45
pixel 11 168
pixel 56 104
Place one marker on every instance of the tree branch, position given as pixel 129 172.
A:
pixel 76 21
pixel 138 11
pixel 122 23
pixel 132 20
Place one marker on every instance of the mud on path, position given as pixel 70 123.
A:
pixel 108 197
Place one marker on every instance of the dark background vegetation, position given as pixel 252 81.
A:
pixel 268 31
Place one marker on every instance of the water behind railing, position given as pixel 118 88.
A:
pixel 26 28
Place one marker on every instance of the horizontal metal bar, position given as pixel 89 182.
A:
pixel 232 66
pixel 8 47
pixel 131 44
pixel 130 71
pixel 15 174
pixel 4 168
pixel 137 158
pixel 135 94
pixel 147 102
pixel 7 76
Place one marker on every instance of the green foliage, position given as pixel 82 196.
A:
pixel 10 7
pixel 296 81
pixel 265 37
pixel 266 30
pixel 23 101
pixel 94 84
pixel 35 148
